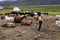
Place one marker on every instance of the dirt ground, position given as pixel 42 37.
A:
pixel 49 30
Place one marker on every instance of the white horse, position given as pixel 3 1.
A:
pixel 58 23
pixel 9 19
pixel 35 13
pixel 57 17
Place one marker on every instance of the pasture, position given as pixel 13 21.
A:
pixel 50 10
pixel 49 30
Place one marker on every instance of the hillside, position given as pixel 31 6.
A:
pixel 30 2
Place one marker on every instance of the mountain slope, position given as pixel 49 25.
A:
pixel 30 2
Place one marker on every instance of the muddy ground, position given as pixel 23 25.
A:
pixel 49 31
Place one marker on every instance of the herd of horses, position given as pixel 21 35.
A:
pixel 19 17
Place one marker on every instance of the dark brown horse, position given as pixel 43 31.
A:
pixel 45 13
pixel 18 19
pixel 2 17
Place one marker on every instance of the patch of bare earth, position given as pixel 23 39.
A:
pixel 49 31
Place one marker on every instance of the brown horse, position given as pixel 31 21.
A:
pixel 9 25
pixel 45 14
pixel 2 17
pixel 18 19
pixel 25 22
pixel 36 17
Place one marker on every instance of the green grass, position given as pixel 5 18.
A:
pixel 54 13
pixel 41 9
pixel 50 10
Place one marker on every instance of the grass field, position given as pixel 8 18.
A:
pixel 50 10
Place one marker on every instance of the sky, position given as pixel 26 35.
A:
pixel 7 0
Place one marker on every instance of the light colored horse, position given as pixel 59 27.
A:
pixel 9 19
pixel 58 23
